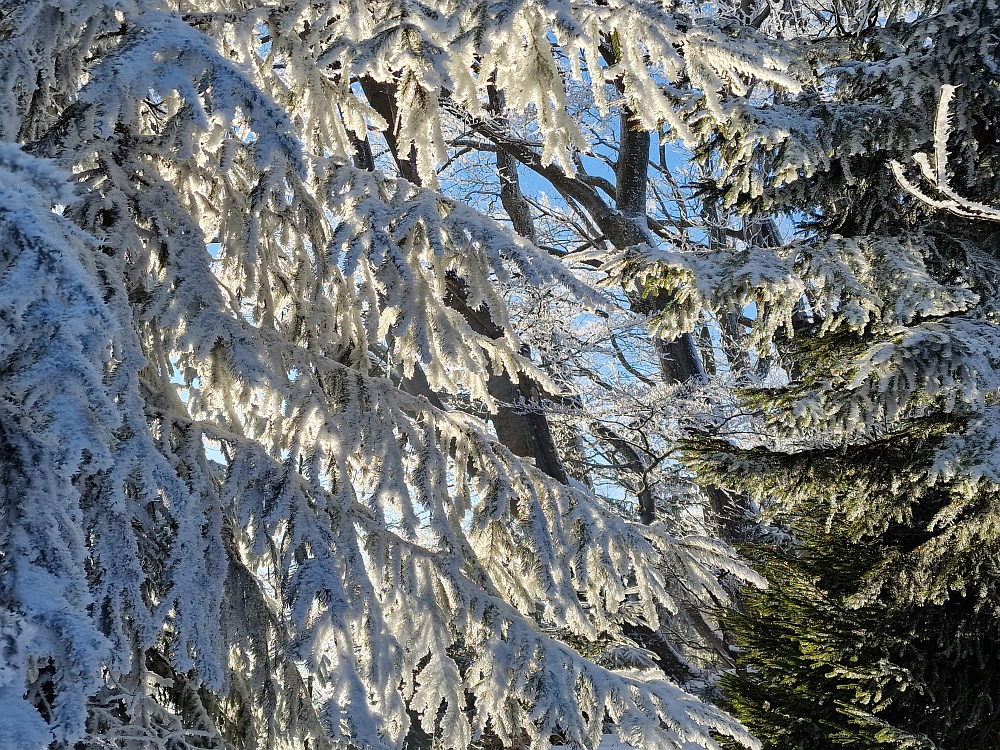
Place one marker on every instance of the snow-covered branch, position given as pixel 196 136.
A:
pixel 937 174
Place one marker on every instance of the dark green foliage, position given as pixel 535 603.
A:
pixel 817 672
pixel 881 626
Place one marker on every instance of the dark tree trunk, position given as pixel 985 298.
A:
pixel 631 173
pixel 382 98
pixel 679 359
pixel 520 422
pixel 631 461
pixel 511 197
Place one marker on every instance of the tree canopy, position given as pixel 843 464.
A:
pixel 387 373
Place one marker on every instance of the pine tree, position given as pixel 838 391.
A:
pixel 878 444
pixel 826 665
pixel 225 521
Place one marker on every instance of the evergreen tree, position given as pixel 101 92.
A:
pixel 823 664
pixel 878 447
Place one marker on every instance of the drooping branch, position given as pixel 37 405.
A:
pixel 520 421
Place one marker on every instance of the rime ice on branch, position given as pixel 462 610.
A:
pixel 222 522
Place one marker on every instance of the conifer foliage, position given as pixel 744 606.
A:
pixel 827 665
pixel 878 452
pixel 222 523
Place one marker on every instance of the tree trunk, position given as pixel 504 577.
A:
pixel 382 98
pixel 520 422
pixel 511 197
pixel 679 359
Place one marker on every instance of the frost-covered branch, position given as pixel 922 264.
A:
pixel 222 521
pixel 937 175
